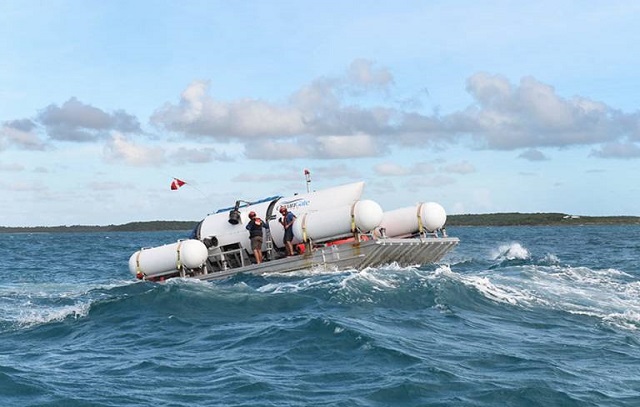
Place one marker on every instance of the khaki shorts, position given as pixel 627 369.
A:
pixel 256 243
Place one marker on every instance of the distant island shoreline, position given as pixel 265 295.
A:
pixel 492 219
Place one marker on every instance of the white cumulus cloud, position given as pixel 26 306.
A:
pixel 121 149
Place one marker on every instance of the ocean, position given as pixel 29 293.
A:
pixel 514 316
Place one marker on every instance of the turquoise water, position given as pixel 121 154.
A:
pixel 515 316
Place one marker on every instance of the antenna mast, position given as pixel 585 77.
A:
pixel 307 176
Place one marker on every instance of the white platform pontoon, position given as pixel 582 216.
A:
pixel 334 229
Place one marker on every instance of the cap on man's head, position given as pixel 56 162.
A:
pixel 252 214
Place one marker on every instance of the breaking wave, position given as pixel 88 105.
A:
pixel 513 277
pixel 518 278
pixel 512 251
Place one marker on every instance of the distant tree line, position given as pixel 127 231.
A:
pixel 537 219
pixel 151 226
pixel 490 219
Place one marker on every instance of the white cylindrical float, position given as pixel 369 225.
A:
pixel 362 216
pixel 168 258
pixel 424 217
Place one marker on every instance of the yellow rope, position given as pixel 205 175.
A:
pixel 178 262
pixel 420 225
pixel 304 228
pixel 138 269
pixel 353 217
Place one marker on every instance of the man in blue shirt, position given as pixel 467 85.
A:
pixel 286 221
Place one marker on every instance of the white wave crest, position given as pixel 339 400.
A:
pixel 550 258
pixel 28 305
pixel 39 316
pixel 377 281
pixel 318 270
pixel 511 251
pixel 606 294
pixel 297 285
pixel 628 319
pixel 443 269
pixel 384 278
pixel 503 293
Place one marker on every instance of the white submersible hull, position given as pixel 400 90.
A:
pixel 333 229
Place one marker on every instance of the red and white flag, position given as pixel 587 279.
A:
pixel 176 183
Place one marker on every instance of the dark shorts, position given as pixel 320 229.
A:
pixel 288 235
pixel 256 243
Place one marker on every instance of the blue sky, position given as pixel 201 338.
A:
pixel 482 106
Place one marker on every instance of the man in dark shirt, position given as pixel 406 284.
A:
pixel 255 227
